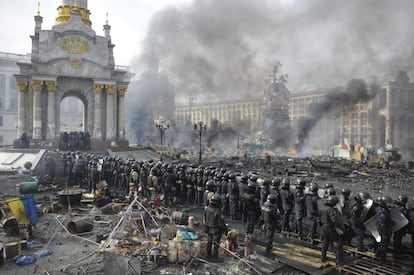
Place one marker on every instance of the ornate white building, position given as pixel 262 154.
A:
pixel 70 60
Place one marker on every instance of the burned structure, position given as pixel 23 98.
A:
pixel 71 60
pixel 372 123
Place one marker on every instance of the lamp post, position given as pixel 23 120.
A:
pixel 162 126
pixel 200 127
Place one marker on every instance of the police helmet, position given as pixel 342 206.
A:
pixel 300 183
pixel 313 187
pixel 275 182
pixel 363 196
pixel 244 179
pixel 346 192
pixel 285 183
pixel 384 201
pixel 251 186
pixel 271 198
pixel 210 184
pixel 332 200
pixel 215 200
pixel 402 199
pixel 253 178
pixel 232 176
pixel 329 185
pixel 331 191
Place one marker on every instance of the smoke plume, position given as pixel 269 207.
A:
pixel 356 91
pixel 227 48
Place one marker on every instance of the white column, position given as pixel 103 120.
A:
pixel 121 113
pixel 51 107
pixel 97 128
pixel 23 98
pixel 37 109
pixel 110 127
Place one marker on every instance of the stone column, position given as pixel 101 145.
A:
pixel 37 109
pixel 97 128
pixel 110 127
pixel 51 107
pixel 23 98
pixel 121 112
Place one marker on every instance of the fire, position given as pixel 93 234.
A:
pixel 209 149
pixel 294 150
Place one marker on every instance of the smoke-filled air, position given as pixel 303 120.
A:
pixel 214 50
pixel 228 47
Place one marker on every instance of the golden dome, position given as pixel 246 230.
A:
pixel 64 13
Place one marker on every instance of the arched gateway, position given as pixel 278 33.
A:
pixel 71 60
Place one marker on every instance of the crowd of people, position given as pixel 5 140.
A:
pixel 75 141
pixel 273 204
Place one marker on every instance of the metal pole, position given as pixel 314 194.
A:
pixel 161 134
pixel 199 157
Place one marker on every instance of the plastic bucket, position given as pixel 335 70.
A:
pixel 81 226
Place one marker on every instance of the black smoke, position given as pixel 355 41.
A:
pixel 356 91
pixel 228 47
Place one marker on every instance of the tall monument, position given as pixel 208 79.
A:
pixel 71 60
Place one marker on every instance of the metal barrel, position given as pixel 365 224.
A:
pixel 80 226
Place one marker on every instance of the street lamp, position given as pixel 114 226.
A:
pixel 200 127
pixel 162 126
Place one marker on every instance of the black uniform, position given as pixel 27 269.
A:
pixel 332 231
pixel 234 198
pixel 356 223
pixel 384 227
pixel 271 220
pixel 287 205
pixel 399 234
pixel 311 203
pixel 214 227
pixel 252 209
pixel 299 209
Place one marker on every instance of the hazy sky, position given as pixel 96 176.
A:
pixel 228 46
pixel 128 19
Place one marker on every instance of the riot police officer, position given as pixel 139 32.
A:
pixel 356 220
pixel 169 184
pixel 311 203
pixel 384 226
pixel 271 219
pixel 214 225
pixel 400 203
pixel 234 196
pixel 332 229
pixel 242 188
pixel 274 189
pixel 299 197
pixel 252 207
pixel 287 203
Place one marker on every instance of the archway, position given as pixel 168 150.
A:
pixel 73 112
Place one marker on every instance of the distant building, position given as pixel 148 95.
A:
pixel 9 96
pixel 248 110
pixel 386 119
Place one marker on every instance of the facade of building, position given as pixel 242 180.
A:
pixel 71 60
pixel 9 96
pixel 228 113
pixel 386 119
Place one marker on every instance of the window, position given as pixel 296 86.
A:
pixel 1 120
pixel 1 139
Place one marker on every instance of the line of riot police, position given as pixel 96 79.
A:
pixel 270 204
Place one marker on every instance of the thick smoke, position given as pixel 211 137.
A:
pixel 356 91
pixel 228 47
